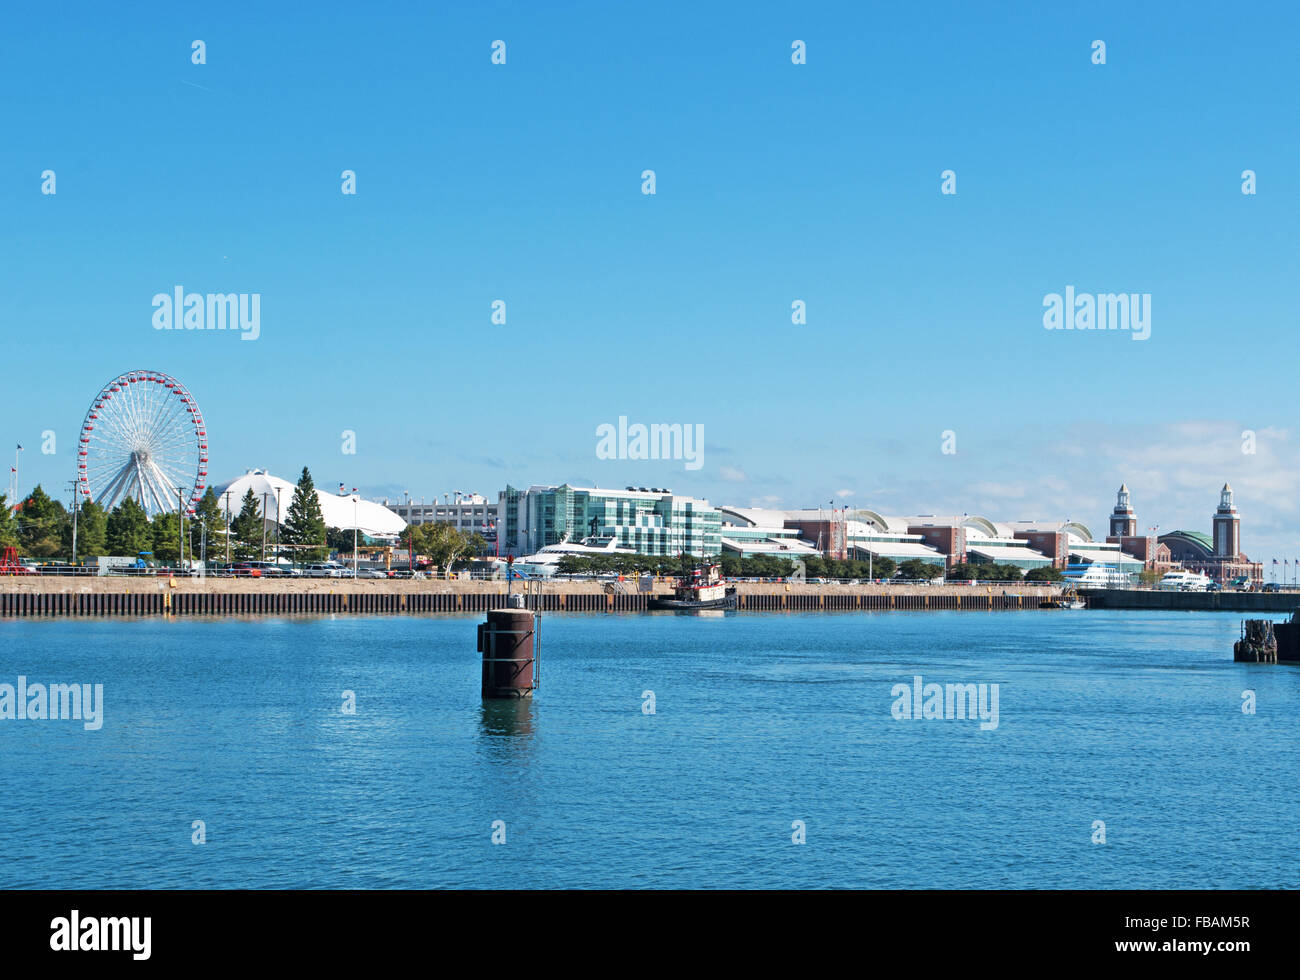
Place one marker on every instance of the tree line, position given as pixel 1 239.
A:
pixel 42 527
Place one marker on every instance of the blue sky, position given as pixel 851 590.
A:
pixel 775 182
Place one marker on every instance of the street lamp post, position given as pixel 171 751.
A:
pixel 180 527
pixel 355 564
pixel 265 497
pixel 76 493
pixel 227 527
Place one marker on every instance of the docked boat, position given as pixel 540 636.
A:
pixel 1181 580
pixel 1068 599
pixel 701 588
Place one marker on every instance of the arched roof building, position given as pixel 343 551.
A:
pixel 345 511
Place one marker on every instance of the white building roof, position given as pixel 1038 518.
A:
pixel 783 547
pixel 1001 553
pixel 753 516
pixel 344 511
pixel 1103 555
pixel 1075 529
pixel 897 549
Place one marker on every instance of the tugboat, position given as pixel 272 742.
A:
pixel 700 588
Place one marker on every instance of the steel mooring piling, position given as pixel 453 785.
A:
pixel 510 642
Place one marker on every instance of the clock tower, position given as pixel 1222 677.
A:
pixel 1123 523
pixel 1227 526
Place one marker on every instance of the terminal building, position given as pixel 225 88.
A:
pixel 752 532
pixel 656 521
pixel 646 520
pixel 1218 555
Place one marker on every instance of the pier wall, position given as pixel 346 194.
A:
pixel 227 597
pixel 1259 602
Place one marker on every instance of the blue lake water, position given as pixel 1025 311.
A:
pixel 1131 718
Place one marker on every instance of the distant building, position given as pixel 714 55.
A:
pixel 1146 548
pixel 971 539
pixel 646 520
pixel 863 535
pixel 469 513
pixel 1220 557
pixel 344 511
pixel 749 532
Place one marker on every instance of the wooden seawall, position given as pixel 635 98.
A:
pixel 111 598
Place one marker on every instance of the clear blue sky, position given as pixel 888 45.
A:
pixel 776 182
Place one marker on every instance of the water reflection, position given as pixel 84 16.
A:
pixel 510 717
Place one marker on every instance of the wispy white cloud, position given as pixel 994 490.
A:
pixel 732 474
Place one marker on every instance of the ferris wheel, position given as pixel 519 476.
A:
pixel 143 437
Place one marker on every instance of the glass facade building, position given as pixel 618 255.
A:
pixel 647 521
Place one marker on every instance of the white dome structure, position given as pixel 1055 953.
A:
pixel 344 511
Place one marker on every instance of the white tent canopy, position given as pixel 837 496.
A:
pixel 346 511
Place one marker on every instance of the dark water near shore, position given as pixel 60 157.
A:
pixel 1132 718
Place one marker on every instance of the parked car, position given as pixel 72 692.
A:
pixel 1272 587
pixel 326 569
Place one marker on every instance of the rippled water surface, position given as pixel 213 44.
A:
pixel 761 720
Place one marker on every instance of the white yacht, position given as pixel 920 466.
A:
pixel 1097 575
pixel 1181 580
pixel 545 561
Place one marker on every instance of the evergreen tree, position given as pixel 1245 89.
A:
pixel 165 529
pixel 246 528
pixel 40 525
pixel 127 530
pixel 207 515
pixel 8 525
pixel 92 526
pixel 304 525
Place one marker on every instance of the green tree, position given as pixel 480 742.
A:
pixel 92 526
pixel 339 540
pixel 918 569
pixel 1045 574
pixel 246 528
pixel 166 531
pixel 127 530
pixel 40 525
pixel 882 567
pixel 441 543
pixel 8 524
pixel 304 525
pixel 208 517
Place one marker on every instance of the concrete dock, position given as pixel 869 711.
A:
pixel 1258 602
pixel 111 596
